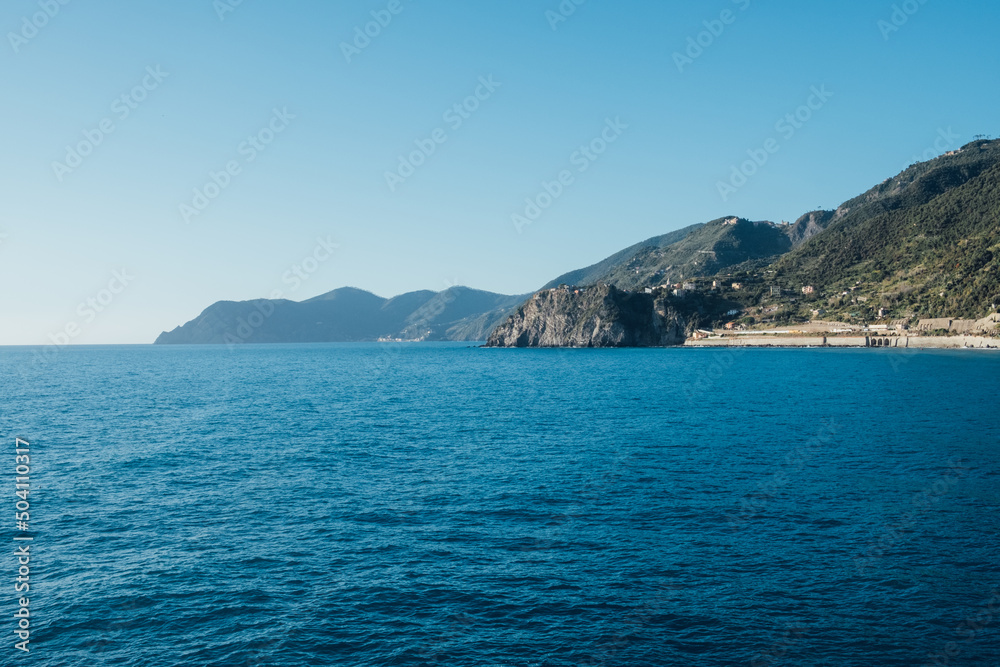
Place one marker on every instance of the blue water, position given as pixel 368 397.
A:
pixel 449 505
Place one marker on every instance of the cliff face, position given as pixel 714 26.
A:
pixel 600 316
pixel 809 225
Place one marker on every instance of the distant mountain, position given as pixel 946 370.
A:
pixel 349 315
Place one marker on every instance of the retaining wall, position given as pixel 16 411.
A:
pixel 919 342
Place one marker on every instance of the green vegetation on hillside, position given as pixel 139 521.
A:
pixel 922 244
pixel 928 249
pixel 705 252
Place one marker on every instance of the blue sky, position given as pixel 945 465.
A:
pixel 204 84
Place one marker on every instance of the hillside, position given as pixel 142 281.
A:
pixel 698 250
pixel 595 273
pixel 715 246
pixel 924 244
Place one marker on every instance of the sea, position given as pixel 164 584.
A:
pixel 446 504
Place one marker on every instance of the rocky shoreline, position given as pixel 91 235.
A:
pixel 605 316
pixel 599 316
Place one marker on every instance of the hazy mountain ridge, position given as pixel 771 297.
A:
pixel 348 315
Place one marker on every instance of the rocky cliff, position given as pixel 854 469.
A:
pixel 598 316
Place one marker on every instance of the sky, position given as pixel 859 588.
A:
pixel 158 157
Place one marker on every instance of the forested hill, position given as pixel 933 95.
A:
pixel 923 244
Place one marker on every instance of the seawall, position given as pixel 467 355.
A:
pixel 919 342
